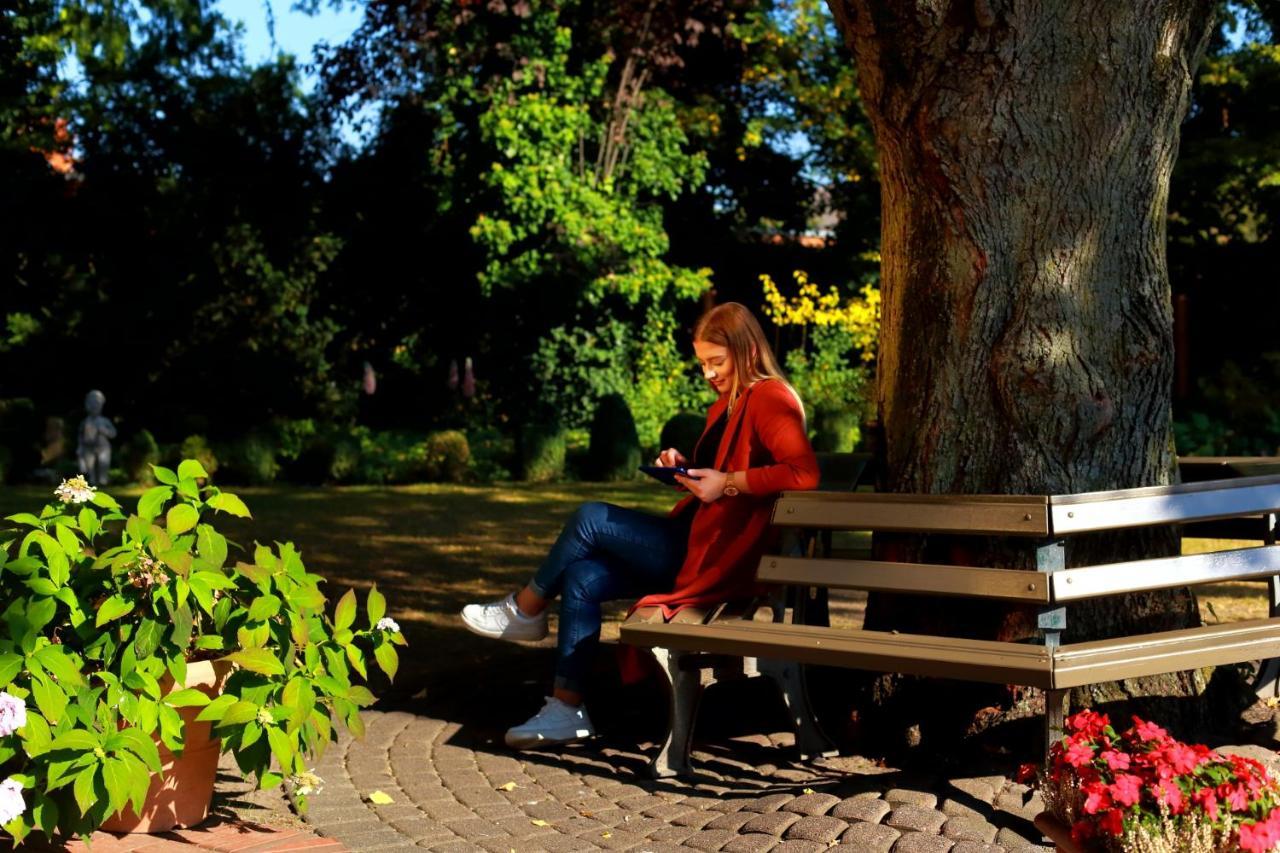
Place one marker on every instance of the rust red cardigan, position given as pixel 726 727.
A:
pixel 765 437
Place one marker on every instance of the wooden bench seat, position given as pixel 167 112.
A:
pixel 1047 524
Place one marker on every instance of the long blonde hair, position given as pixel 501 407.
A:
pixel 733 326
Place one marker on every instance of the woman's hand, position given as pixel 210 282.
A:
pixel 670 458
pixel 708 487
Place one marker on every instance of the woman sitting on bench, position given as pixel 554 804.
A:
pixel 703 553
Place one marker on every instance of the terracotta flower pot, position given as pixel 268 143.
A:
pixel 1058 832
pixel 182 797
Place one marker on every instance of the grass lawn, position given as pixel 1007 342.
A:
pixel 433 548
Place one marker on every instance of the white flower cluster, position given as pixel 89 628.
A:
pixel 13 715
pixel 386 623
pixel 75 491
pixel 11 803
pixel 306 784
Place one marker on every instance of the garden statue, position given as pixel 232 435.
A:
pixel 94 448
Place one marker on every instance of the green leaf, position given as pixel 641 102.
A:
pixel 113 608
pixel 89 525
pixel 388 660
pixel 238 712
pixel 357 660
pixel 35 735
pixel 50 699
pixel 45 814
pixel 375 606
pixel 183 623
pixel 345 614
pixel 193 469
pixel 67 539
pixel 152 501
pixel 282 747
pixel 10 666
pixel 189 488
pixel 210 643
pixel 25 518
pixel 181 518
pixel 84 789
pixel 147 638
pixel 229 503
pixel 56 660
pixel 105 501
pixel 171 727
pixel 212 545
pixel 263 608
pixel 143 746
pixel 41 586
pixel 164 475
pixel 77 739
pixel 187 698
pixel 215 709
pixel 115 773
pixel 257 660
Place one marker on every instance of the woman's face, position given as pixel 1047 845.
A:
pixel 717 366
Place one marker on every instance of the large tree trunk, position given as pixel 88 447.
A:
pixel 1026 340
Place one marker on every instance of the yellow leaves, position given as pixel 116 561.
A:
pixel 813 307
pixel 380 799
pixel 539 822
pixel 509 786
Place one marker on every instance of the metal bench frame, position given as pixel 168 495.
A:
pixel 1241 506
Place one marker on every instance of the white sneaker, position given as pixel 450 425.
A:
pixel 502 620
pixel 556 723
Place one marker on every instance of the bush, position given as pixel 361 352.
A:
pixel 542 452
pixel 614 453
pixel 493 454
pixel 682 432
pixel 140 453
pixel 447 456
pixel 197 447
pixel 835 432
pixel 250 460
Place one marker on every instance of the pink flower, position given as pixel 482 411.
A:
pixel 1182 758
pixel 1148 731
pixel 1089 723
pixel 1115 760
pixel 1097 798
pixel 1234 795
pixel 1169 794
pixel 1260 836
pixel 1079 754
pixel 1127 789
pixel 1208 801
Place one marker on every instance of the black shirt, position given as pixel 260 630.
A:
pixel 704 455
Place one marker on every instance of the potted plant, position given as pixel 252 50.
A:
pixel 1145 791
pixel 136 644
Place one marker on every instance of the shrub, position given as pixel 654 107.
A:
pixel 140 453
pixel 835 431
pixel 197 447
pixel 542 452
pixel 447 456
pixel 493 454
pixel 682 432
pixel 250 460
pixel 614 453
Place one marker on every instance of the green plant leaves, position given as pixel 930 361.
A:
pixel 375 606
pixel 192 469
pixel 263 608
pixel 229 503
pixel 111 609
pixel 388 660
pixel 189 697
pixel 257 660
pixel 10 666
pixel 152 500
pixel 238 712
pixel 345 613
pixel 181 518
pixel 163 475
pixel 56 660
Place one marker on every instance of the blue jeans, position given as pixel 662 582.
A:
pixel 605 552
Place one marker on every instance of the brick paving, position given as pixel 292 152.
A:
pixel 454 787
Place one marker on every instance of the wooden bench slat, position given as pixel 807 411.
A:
pixel 878 651
pixel 1169 651
pixel 1210 499
pixel 922 578
pixel 1010 515
pixel 1162 573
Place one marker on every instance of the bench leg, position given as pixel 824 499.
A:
pixel 686 690
pixel 811 741
pixel 1055 703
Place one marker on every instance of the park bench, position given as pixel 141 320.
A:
pixel 1047 524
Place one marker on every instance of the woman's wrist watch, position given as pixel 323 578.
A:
pixel 730 490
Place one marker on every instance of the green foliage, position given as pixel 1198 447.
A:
pixel 141 454
pixel 836 431
pixel 542 452
pixel 614 453
pixel 827 374
pixel 1235 413
pixel 197 447
pixel 106 607
pixel 682 432
pixel 250 460
pixel 446 457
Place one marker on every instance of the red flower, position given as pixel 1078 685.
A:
pixel 1148 731
pixel 1115 760
pixel 1208 801
pixel 1027 773
pixel 1079 754
pixel 1168 793
pixel 1113 822
pixel 1182 758
pixel 1082 831
pixel 1234 795
pixel 1260 836
pixel 1127 789
pixel 1097 798
pixel 1088 723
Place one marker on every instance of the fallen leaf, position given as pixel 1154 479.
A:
pixel 808 790
pixel 539 823
pixel 380 798
pixel 510 786
pixel 606 835
pixel 586 814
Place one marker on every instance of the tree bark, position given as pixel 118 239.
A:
pixel 1026 337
